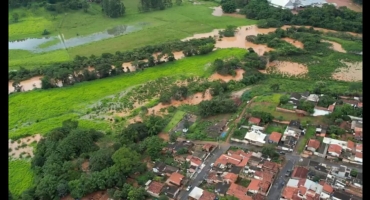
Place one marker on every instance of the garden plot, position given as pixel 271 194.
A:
pixel 22 147
pixel 352 72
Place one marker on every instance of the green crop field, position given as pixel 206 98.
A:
pixel 173 23
pixel 20 176
pixel 41 110
pixel 174 121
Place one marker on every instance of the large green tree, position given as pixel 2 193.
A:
pixel 113 8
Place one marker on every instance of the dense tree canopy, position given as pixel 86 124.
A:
pixel 113 8
pixel 215 106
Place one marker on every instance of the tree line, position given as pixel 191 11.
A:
pixel 67 73
pixel 327 16
pixel 59 160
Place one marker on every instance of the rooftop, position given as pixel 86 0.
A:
pixel 196 193
pixel 207 195
pixel 254 120
pixel 254 184
pixel 295 124
pixel 176 178
pixel 313 143
pixel 300 172
pixel 270 165
pixel 359 147
pixel 326 187
pixel 255 135
pixel 196 161
pixel 239 192
pixel 231 176
pixel 169 190
pixel 344 195
pixel 155 187
pixel 358 155
pixel 341 143
pixel 334 148
pixel 275 136
pixel 288 192
pixel 351 144
pixel 226 159
pixel 222 187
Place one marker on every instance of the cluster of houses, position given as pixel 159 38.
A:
pixel 285 141
pixel 335 183
pixel 295 99
pixel 195 155
pixel 233 166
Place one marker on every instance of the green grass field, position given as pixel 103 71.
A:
pixel 41 110
pixel 20 176
pixel 174 121
pixel 346 44
pixel 174 23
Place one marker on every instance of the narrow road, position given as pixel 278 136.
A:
pixel 198 178
pixel 280 179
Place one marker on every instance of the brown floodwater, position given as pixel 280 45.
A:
pixel 352 72
pixel 285 67
pixel 335 46
pixel 237 77
pixel 296 43
pixel 238 41
pixel 218 12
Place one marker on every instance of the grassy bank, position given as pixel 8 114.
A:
pixel 26 117
pixel 174 23
pixel 20 176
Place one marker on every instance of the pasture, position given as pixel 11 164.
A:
pixel 20 176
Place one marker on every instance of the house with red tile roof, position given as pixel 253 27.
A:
pixel 326 191
pixel 358 147
pixel 358 135
pixel 208 147
pixel 238 191
pixel 154 188
pixel 334 150
pixel 176 179
pixel 275 137
pixel 195 162
pixel 230 177
pixel 313 145
pixel 303 189
pixel 351 146
pixel 358 157
pixel 270 166
pixel 213 177
pixel 300 172
pixel 232 159
pixel 254 121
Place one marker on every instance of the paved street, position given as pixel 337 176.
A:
pixel 281 179
pixel 196 180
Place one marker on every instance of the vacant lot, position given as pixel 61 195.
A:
pixel 174 121
pixel 26 117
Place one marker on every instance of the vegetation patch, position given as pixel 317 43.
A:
pixel 20 176
pixel 178 116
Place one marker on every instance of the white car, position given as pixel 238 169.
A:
pixel 188 188
pixel 212 164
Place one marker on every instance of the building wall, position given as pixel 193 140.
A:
pixel 153 194
pixel 358 159
pixel 333 154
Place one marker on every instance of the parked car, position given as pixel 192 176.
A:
pixel 188 188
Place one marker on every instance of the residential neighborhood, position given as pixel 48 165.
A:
pixel 268 160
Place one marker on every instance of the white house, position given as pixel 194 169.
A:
pixel 255 137
pixel 196 193
pixel 343 144
pixel 289 4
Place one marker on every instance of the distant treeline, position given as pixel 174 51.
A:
pixel 68 73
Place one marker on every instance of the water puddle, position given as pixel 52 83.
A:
pixel 33 44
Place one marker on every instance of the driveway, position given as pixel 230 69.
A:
pixel 198 178
pixel 281 180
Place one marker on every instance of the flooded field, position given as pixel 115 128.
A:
pixel 218 12
pixel 33 44
pixel 238 41
pixel 296 43
pixel 348 3
pixel 285 67
pixel 353 72
pixel 335 46
pixel 191 100
pixel 237 77
pixel 22 146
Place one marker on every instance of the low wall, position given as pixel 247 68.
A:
pixel 237 140
pixel 284 110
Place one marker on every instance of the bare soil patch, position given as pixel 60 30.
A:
pixel 285 67
pixel 218 12
pixel 164 136
pixel 191 100
pixel 227 78
pixel 348 3
pixel 335 46
pixel 353 72
pixel 17 150
pixel 135 119
pixel 296 43
pixel 85 166
pixel 239 93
